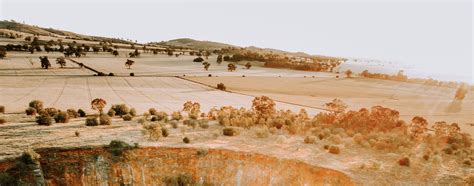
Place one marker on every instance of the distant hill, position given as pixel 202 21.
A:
pixel 210 45
pixel 194 44
pixel 30 29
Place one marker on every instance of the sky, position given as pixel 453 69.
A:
pixel 432 35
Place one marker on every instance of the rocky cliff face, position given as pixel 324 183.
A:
pixel 160 166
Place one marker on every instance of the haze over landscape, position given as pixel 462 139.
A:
pixel 433 37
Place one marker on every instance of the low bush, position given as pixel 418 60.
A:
pixel 310 139
pixel 37 104
pixel 230 131
pixel 152 111
pixel 2 121
pixel 132 74
pixel 204 124
pixel 127 117
pixel 72 113
pixel 105 120
pixel 51 111
pixel 44 119
pixel 186 140
pixel 133 112
pixel 153 130
pixel 176 116
pixel 120 109
pixel 2 109
pixel 160 116
pixel 262 132
pixel 30 111
pixel 61 117
pixel 81 113
pixel 111 112
pixel 117 147
pixel 334 150
pixel 92 121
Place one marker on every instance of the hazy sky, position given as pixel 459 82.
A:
pixel 432 34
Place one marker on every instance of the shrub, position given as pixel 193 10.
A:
pixel 51 111
pixel 61 117
pixel 132 74
pixel 152 111
pixel 310 139
pixel 72 113
pixel 264 107
pixel 404 162
pixel 141 120
pixel 133 112
pixel 127 117
pixel 36 104
pixel 117 147
pixel 105 120
pixel 30 111
pixel 44 119
pixel 174 124
pixel 221 86
pixel 204 124
pixel 111 74
pixel 262 132
pixel 165 132
pixel 120 109
pixel 92 121
pixel 160 116
pixel 2 121
pixel 153 131
pixel 81 113
pixel 229 131
pixel 176 116
pixel 334 150
pixel 186 140
pixel 2 109
pixel 111 112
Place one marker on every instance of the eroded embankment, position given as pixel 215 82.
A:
pixel 160 165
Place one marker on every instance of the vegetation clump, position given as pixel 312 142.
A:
pixel 230 131
pixel 30 111
pixel 186 140
pixel 2 109
pixel 92 121
pixel 36 104
pixel 118 147
pixel 61 117
pixel 44 119
pixel 153 131
pixel 81 113
pixel 127 117
pixel 105 120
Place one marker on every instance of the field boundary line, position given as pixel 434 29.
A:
pixel 240 93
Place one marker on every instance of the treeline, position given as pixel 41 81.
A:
pixel 403 78
pixel 323 64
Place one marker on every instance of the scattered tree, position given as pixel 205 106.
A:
pixel 206 65
pixel 231 67
pixel 61 61
pixel 98 104
pixel 45 62
pixel 129 63
pixel 248 65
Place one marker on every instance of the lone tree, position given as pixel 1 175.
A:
pixel 3 53
pixel 219 59
pixel 348 73
pixel 231 67
pixel 61 61
pixel 336 105
pixel 206 65
pixel 45 62
pixel 98 104
pixel 129 63
pixel 248 65
pixel 264 107
pixel 115 53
